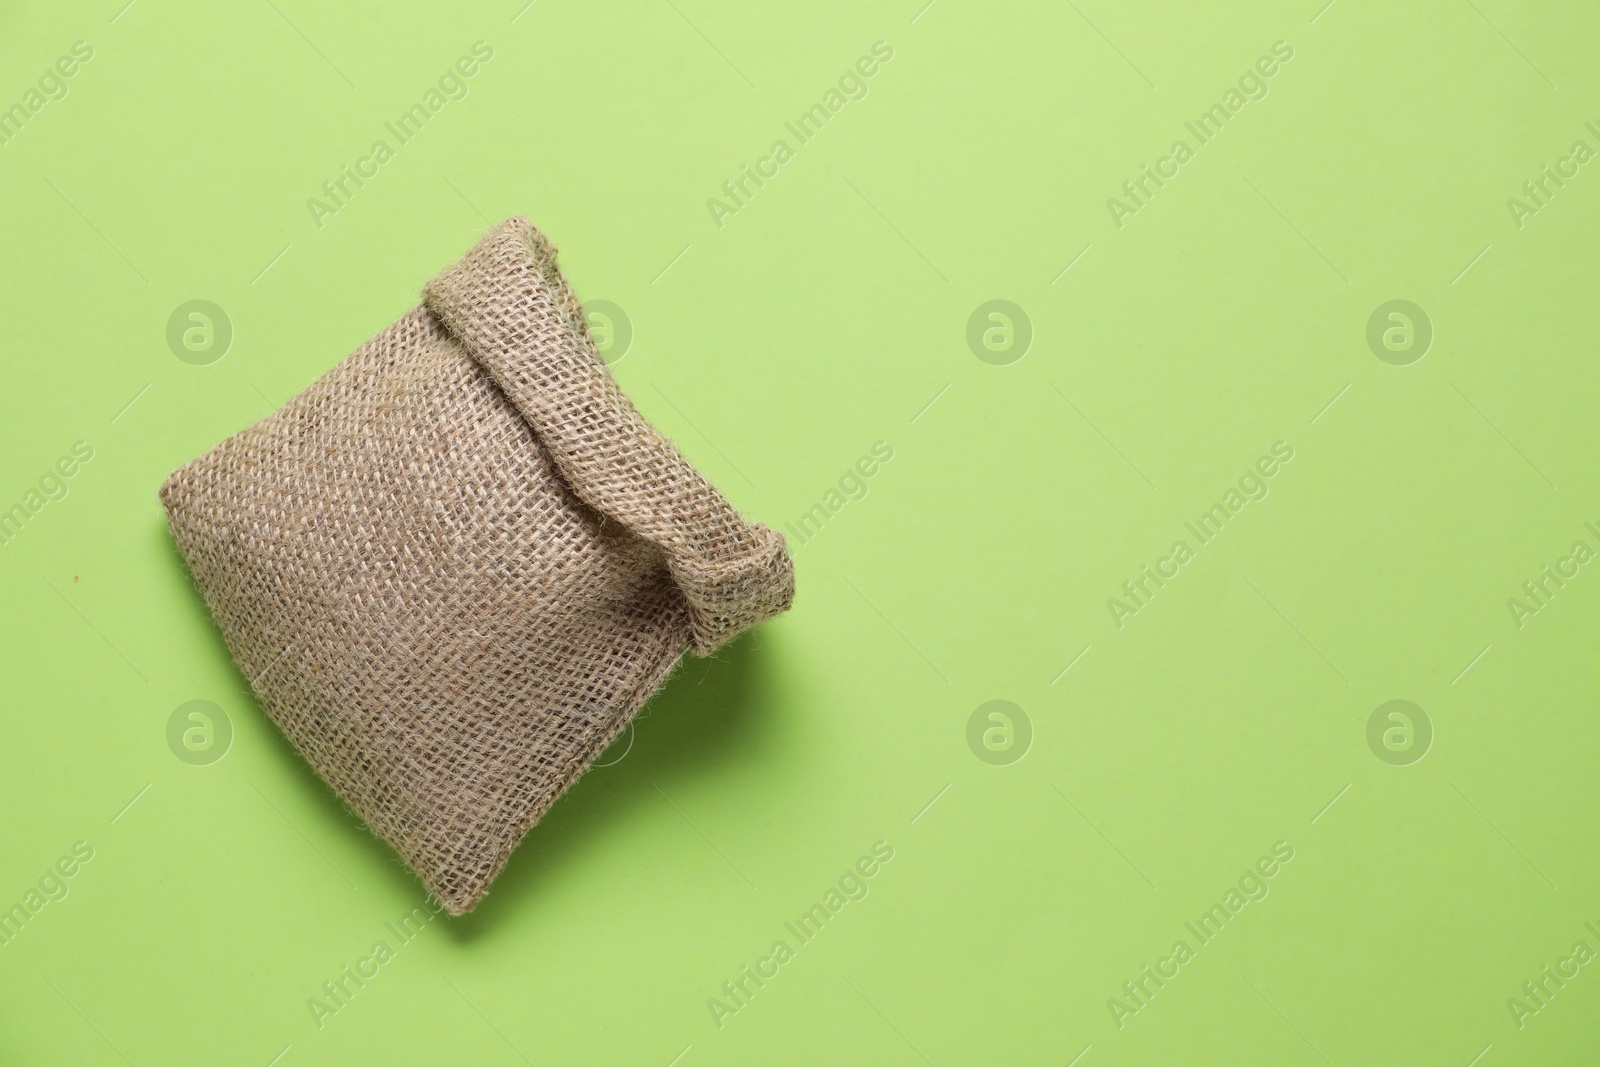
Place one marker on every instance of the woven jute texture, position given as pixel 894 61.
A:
pixel 455 566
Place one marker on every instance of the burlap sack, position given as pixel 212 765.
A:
pixel 455 566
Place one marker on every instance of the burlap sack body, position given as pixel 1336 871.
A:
pixel 456 565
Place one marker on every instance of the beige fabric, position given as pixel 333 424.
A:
pixel 456 565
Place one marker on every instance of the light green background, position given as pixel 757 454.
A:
pixel 1228 715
